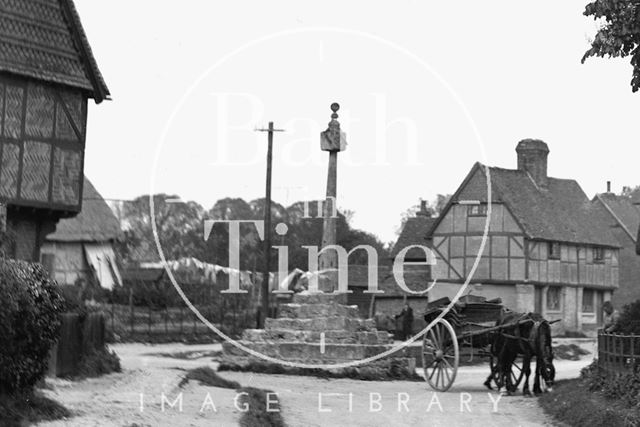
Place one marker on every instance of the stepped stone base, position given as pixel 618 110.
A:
pixel 319 329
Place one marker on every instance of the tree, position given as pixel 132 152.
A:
pixel 619 35
pixel 179 228
pixel 433 209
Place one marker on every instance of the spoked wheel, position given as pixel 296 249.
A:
pixel 515 374
pixel 440 356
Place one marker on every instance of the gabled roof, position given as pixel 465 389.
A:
pixel 95 222
pixel 44 39
pixel 622 210
pixel 560 212
pixel 414 232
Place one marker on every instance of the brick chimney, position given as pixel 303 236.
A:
pixel 532 158
pixel 423 209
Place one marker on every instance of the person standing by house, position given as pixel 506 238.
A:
pixel 407 321
pixel 610 318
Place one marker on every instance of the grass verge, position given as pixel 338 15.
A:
pixel 207 376
pixel 17 411
pixel 257 415
pixel 363 373
pixel 260 407
pixel 572 403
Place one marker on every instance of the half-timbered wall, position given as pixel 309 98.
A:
pixel 458 238
pixel 574 265
pixel 42 135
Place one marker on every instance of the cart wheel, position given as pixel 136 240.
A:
pixel 496 375
pixel 515 374
pixel 440 356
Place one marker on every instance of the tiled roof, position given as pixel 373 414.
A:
pixel 414 232
pixel 560 212
pixel 44 39
pixel 622 210
pixel 95 222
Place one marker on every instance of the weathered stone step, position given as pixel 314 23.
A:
pixel 305 352
pixel 339 323
pixel 319 298
pixel 308 311
pixel 385 368
pixel 344 337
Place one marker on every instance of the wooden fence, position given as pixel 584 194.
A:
pixel 79 336
pixel 618 353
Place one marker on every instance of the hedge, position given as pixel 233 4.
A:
pixel 30 307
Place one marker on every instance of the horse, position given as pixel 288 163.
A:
pixel 530 336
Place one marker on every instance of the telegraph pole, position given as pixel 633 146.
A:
pixel 264 313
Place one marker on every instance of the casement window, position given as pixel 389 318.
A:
pixel 477 210
pixel 598 254
pixel 588 301
pixel 554 250
pixel 554 298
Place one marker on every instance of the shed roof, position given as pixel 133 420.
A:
pixel 95 222
pixel 44 39
pixel 417 278
pixel 414 232
pixel 561 211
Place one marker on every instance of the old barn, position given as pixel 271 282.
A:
pixel 82 247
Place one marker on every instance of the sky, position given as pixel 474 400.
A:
pixel 426 89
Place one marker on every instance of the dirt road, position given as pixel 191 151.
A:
pixel 134 397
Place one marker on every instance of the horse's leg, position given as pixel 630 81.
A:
pixel 526 369
pixel 487 382
pixel 536 381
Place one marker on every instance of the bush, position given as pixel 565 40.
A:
pixel 21 410
pixel 629 322
pixel 98 362
pixel 29 322
pixel 621 387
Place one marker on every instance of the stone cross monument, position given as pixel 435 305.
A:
pixel 333 141
pixel 320 328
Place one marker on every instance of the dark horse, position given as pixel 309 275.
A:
pixel 530 336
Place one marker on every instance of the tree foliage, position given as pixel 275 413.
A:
pixel 180 230
pixel 433 208
pixel 619 34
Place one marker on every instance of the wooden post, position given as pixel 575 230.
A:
pixel 264 313
pixel 131 309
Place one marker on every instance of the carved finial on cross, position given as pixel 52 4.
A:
pixel 332 139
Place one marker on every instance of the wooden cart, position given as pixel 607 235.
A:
pixel 470 324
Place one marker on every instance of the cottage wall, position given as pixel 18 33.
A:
pixel 69 261
pixel 457 241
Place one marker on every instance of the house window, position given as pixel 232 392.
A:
pixel 598 254
pixel 588 301
pixel 554 250
pixel 554 296
pixel 477 210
